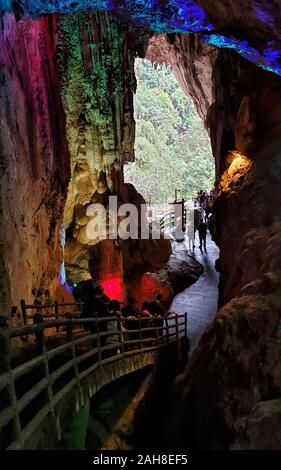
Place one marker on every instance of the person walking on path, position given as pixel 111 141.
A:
pixel 202 231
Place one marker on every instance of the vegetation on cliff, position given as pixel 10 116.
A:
pixel 172 147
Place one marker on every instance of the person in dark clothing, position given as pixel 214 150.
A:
pixel 145 309
pixel 96 307
pixel 130 313
pixel 156 308
pixel 202 230
pixel 100 294
pixel 147 319
pixel 157 311
pixel 202 199
pixel 113 325
pixel 208 211
pixel 129 309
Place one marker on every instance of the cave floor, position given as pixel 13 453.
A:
pixel 201 299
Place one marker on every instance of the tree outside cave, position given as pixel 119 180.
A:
pixel 172 148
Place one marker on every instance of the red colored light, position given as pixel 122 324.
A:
pixel 114 288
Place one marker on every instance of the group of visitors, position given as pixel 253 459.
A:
pixel 204 199
pixel 202 228
pixel 122 321
pixel 197 223
pixel 203 207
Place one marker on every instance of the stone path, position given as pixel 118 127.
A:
pixel 199 300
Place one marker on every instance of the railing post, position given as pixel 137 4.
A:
pixel 69 328
pixel 177 328
pixel 121 337
pixel 177 338
pixel 39 333
pixel 23 311
pixel 162 330
pixel 185 324
pixel 56 313
pixel 140 333
pixel 167 330
pixel 5 367
pixel 98 339
pixel 157 333
pixel 69 334
pixel 5 357
pixel 41 348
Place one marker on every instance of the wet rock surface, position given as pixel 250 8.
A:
pixel 237 362
pixel 260 430
pixel 179 272
pixel 182 270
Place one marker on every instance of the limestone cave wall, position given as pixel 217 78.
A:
pixel 67 128
pixel 229 394
pixel 34 170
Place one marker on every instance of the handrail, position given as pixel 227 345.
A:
pixel 41 307
pixel 31 329
pixel 55 371
pixel 168 220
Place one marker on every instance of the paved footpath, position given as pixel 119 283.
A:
pixel 199 300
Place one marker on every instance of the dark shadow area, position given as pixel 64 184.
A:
pixel 150 417
pixel 108 406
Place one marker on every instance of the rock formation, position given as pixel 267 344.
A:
pixel 240 352
pixel 71 95
pixel 34 158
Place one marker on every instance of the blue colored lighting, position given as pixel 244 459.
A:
pixel 62 278
pixel 170 16
pixel 268 59
pixel 264 13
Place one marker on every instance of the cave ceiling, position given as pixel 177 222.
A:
pixel 251 28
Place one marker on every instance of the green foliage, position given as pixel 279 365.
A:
pixel 172 147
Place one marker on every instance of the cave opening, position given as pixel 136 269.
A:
pixel 172 146
pixel 174 159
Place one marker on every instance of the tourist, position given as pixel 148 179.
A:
pixel 201 198
pixel 157 311
pixel 130 309
pixel 191 235
pixel 147 318
pixel 131 316
pixel 114 325
pixel 145 309
pixel 158 302
pixel 178 231
pixel 96 306
pixel 208 211
pixel 202 231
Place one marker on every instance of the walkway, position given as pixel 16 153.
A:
pixel 199 300
pixel 50 388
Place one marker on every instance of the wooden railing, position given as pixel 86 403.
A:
pixel 34 389
pixel 49 311
pixel 167 221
